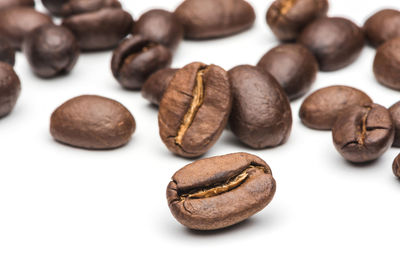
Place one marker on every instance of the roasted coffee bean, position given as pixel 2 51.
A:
pixel 293 66
pixel 72 7
pixel 92 122
pixel 261 115
pixel 7 53
pixel 382 26
pixel 194 109
pixel 161 27
pixel 153 89
pixel 363 133
pixel 387 64
pixel 204 19
pixel 51 50
pixel 335 42
pixel 100 30
pixel 321 109
pixel 5 4
pixel 396 166
pixel 136 58
pixel 218 192
pixel 10 88
pixel 17 22
pixel 287 18
pixel 395 113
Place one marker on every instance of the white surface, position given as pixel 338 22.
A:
pixel 62 206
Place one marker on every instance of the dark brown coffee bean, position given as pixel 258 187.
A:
pixel 204 19
pixel 387 64
pixel 293 66
pixel 382 26
pixel 92 122
pixel 5 4
pixel 218 192
pixel 155 86
pixel 321 109
pixel 395 113
pixel 100 30
pixel 396 166
pixel 10 88
pixel 72 7
pixel 261 115
pixel 160 26
pixel 51 50
pixel 363 133
pixel 136 58
pixel 17 22
pixel 287 18
pixel 7 53
pixel 335 42
pixel 194 109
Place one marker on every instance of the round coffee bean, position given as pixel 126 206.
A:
pixel 17 22
pixel 287 18
pixel 7 53
pixel 10 88
pixel 51 50
pixel 71 7
pixel 261 115
pixel 204 19
pixel 218 192
pixel 321 109
pixel 395 113
pixel 396 166
pixel 293 66
pixel 153 89
pixel 387 64
pixel 92 122
pixel 136 58
pixel 5 4
pixel 100 30
pixel 335 42
pixel 194 109
pixel 363 133
pixel 160 26
pixel 382 26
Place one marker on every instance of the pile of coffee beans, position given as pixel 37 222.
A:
pixel 199 101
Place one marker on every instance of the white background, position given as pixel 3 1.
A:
pixel 63 206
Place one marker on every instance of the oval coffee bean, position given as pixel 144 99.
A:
pixel 293 66
pixel 335 42
pixel 160 26
pixel 72 7
pixel 10 89
pixel 92 122
pixel 321 109
pixel 5 4
pixel 363 133
pixel 17 22
pixel 395 113
pixel 194 109
pixel 218 192
pixel 387 64
pixel 100 30
pixel 382 26
pixel 396 166
pixel 154 88
pixel 287 18
pixel 7 53
pixel 204 19
pixel 51 50
pixel 136 58
pixel 261 115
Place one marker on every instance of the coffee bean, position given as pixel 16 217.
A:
pixel 100 30
pixel 17 22
pixel 218 192
pixel 51 50
pixel 10 88
pixel 382 26
pixel 395 113
pixel 287 18
pixel 5 4
pixel 71 7
pixel 92 122
pixel 335 42
pixel 153 89
pixel 293 66
pixel 321 109
pixel 7 53
pixel 160 26
pixel 194 109
pixel 261 115
pixel 204 19
pixel 396 166
pixel 387 64
pixel 363 133
pixel 136 58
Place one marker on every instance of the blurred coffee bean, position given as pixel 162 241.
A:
pixel 154 88
pixel 72 7
pixel 387 64
pixel 5 4
pixel 396 166
pixel 395 113
pixel 382 26
pixel 7 53
pixel 10 88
